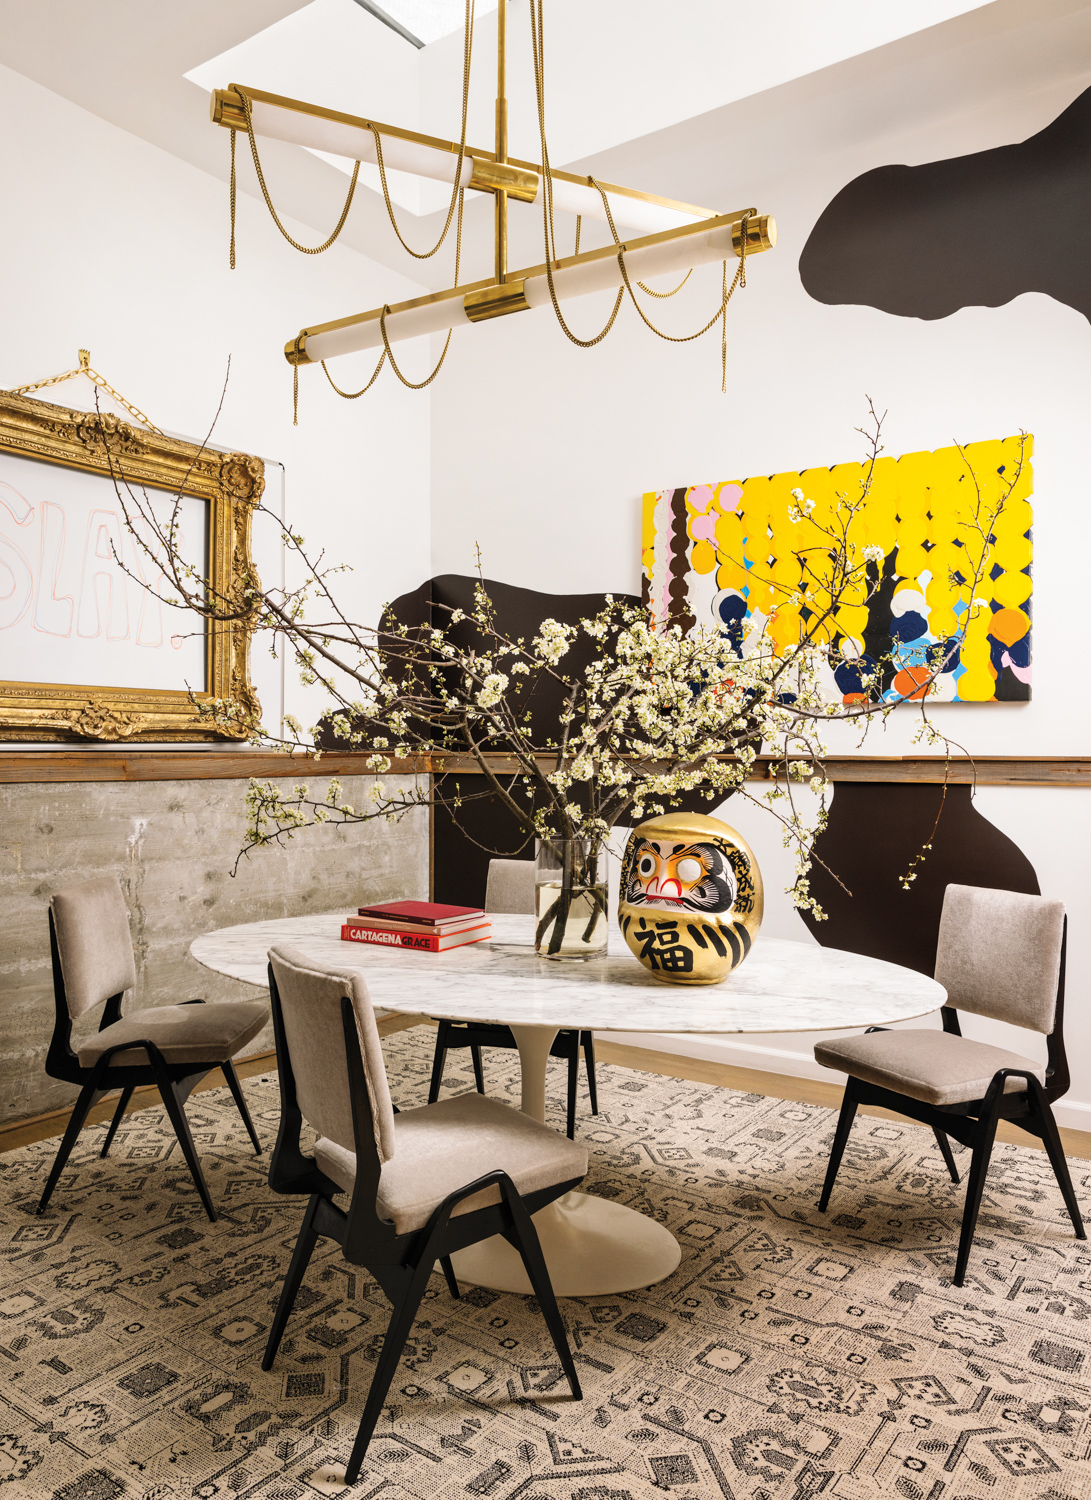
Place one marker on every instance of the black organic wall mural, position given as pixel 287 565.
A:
pixel 973 231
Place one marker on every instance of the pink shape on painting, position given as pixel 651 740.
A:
pixel 700 497
pixel 1022 673
pixel 730 495
pixel 703 528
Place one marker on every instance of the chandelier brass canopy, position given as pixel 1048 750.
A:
pixel 670 237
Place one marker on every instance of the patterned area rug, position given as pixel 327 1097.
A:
pixel 792 1354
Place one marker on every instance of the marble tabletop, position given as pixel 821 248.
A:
pixel 782 986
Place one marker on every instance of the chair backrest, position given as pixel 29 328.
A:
pixel 510 885
pixel 999 955
pixel 91 924
pixel 310 1002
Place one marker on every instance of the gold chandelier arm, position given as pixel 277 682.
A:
pixel 303 249
pixel 84 368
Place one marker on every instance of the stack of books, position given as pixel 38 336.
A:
pixel 425 926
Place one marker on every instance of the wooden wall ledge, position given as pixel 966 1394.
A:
pixel 210 765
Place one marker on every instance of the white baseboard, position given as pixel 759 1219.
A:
pixel 1071 1114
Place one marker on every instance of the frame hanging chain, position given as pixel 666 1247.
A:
pixel 84 368
pixel 303 249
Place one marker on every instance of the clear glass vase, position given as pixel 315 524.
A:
pixel 570 899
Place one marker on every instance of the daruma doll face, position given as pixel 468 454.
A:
pixel 691 898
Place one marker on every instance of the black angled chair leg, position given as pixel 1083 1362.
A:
pixel 119 1113
pixel 524 1237
pixel 449 1272
pixel 1051 1139
pixel 438 1063
pixel 401 1321
pixel 573 1080
pixel 945 1148
pixel 297 1269
pixel 68 1140
pixel 177 1115
pixel 587 1039
pixel 479 1072
pixel 975 1186
pixel 228 1070
pixel 840 1140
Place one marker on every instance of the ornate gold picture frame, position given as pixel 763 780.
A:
pixel 31 555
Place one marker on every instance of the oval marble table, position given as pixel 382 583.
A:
pixel 592 1246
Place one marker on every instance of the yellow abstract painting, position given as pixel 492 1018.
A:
pixel 746 553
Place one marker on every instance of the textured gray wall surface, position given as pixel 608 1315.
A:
pixel 172 844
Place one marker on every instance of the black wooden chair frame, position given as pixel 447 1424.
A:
pixel 400 1263
pixel 453 1035
pixel 974 1123
pixel 175 1082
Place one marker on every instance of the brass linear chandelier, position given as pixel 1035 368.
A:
pixel 673 237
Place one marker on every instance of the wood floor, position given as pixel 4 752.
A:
pixel 1077 1143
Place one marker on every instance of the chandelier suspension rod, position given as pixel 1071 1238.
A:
pixel 501 210
pixel 574 276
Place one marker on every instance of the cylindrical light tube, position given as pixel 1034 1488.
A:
pixel 298 126
pixel 629 213
pixel 597 272
pixel 356 142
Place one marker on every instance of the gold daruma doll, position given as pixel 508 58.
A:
pixel 690 902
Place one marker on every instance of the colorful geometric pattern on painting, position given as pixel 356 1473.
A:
pixel 792 1354
pixel 733 554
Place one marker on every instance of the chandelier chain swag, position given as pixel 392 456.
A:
pixel 746 231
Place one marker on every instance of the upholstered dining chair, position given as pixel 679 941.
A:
pixel 421 1184
pixel 170 1046
pixel 510 888
pixel 1001 954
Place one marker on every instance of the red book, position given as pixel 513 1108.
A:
pixel 389 925
pixel 423 942
pixel 429 914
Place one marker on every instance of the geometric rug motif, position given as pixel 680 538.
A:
pixel 791 1355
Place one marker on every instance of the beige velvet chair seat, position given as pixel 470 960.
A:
pixel 441 1146
pixel 183 1033
pixel 931 1066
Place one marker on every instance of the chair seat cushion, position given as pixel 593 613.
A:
pixel 932 1066
pixel 441 1147
pixel 183 1033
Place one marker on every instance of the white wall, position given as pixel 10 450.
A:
pixel 112 244
pixel 576 437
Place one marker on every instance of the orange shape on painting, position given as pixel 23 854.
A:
pixel 912 682
pixel 1009 626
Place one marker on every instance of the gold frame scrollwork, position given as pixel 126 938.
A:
pixel 231 484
